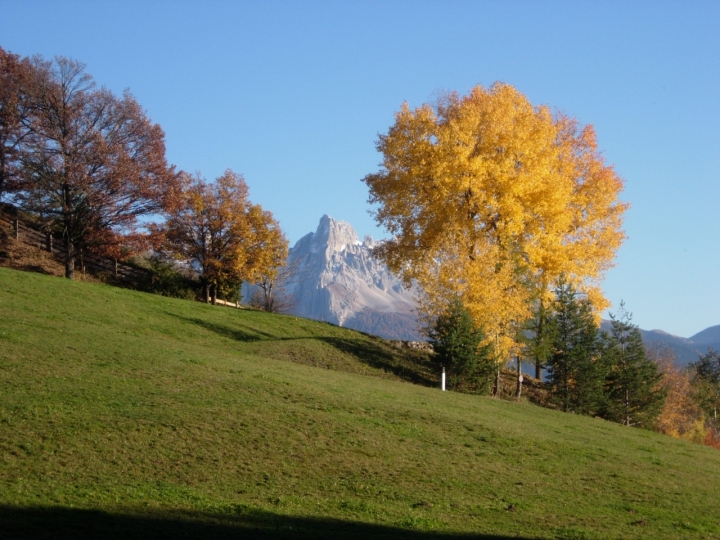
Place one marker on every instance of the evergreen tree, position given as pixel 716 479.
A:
pixel 458 347
pixel 633 395
pixel 706 383
pixel 575 374
pixel 538 337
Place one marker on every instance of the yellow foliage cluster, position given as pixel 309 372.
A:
pixel 491 199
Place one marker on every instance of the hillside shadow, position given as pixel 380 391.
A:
pixel 378 356
pixel 237 334
pixel 67 523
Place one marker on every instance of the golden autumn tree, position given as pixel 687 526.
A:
pixel 224 235
pixel 492 200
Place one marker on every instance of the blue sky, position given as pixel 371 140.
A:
pixel 294 94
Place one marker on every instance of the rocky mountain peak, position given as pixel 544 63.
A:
pixel 334 235
pixel 337 279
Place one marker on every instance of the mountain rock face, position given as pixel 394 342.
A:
pixel 335 278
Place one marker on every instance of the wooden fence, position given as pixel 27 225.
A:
pixel 24 232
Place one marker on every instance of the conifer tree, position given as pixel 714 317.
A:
pixel 575 373
pixel 458 347
pixel 538 336
pixel 633 395
pixel 706 383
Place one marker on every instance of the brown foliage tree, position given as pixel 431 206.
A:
pixel 14 112
pixel 89 163
pixel 227 238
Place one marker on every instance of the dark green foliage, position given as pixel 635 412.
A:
pixel 706 383
pixel 165 280
pixel 458 347
pixel 538 338
pixel 633 395
pixel 229 289
pixel 575 371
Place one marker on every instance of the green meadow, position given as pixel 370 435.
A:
pixel 129 415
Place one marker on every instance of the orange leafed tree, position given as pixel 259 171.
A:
pixel 217 228
pixel 681 417
pixel 492 200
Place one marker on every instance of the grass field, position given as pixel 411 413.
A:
pixel 129 415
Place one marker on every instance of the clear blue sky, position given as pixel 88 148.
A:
pixel 294 94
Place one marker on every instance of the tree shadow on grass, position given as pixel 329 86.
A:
pixel 405 364
pixel 238 334
pixel 57 523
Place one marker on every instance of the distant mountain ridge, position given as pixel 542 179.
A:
pixel 686 349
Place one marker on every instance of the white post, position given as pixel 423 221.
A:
pixel 442 384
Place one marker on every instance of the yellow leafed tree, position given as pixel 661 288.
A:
pixel 492 200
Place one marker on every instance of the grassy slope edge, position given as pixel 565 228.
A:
pixel 123 413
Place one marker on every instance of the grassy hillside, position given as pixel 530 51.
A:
pixel 130 415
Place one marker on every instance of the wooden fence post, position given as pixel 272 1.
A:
pixel 16 226
pixel 48 241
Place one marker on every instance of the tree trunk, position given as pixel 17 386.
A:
pixel 627 408
pixel 214 294
pixel 540 336
pixel 496 387
pixel 206 291
pixel 69 260
pixel 518 392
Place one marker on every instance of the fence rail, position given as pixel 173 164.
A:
pixel 44 240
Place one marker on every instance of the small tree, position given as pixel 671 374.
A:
pixel 633 393
pixel 706 383
pixel 575 371
pixel 538 337
pixel 681 416
pixel 228 239
pixel 459 347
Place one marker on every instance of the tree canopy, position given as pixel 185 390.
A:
pixel 82 160
pixel 216 227
pixel 576 369
pixel 706 382
pixel 492 199
pixel 634 395
pixel 458 346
